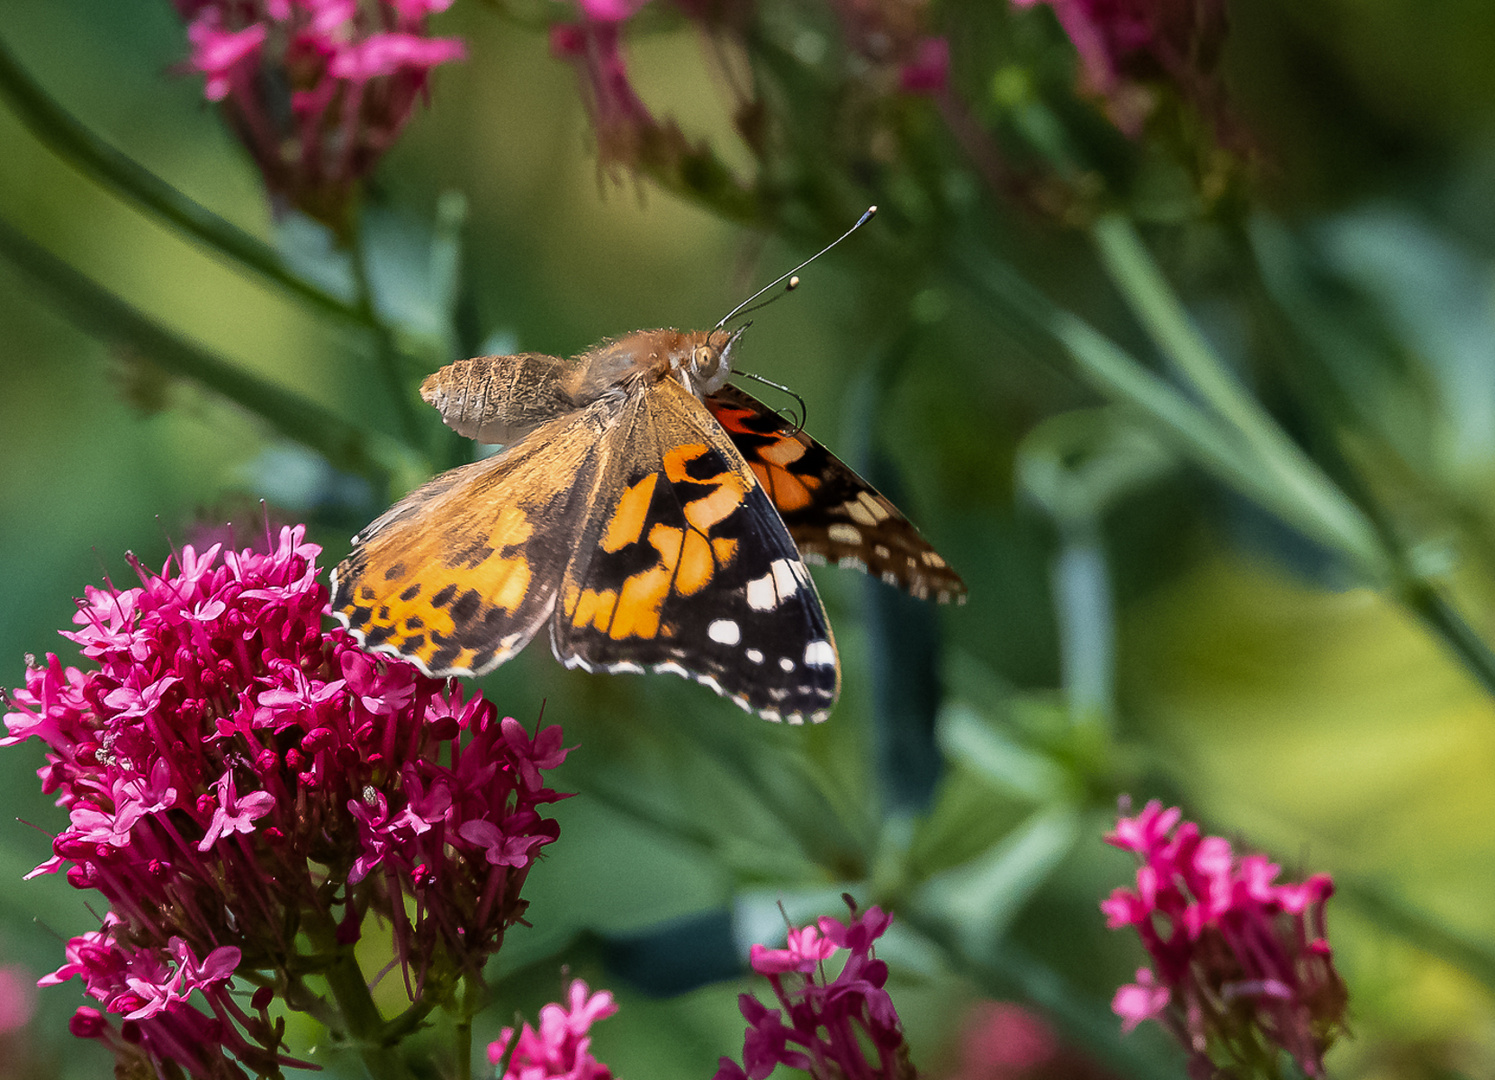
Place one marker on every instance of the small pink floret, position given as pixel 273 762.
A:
pixel 1139 1001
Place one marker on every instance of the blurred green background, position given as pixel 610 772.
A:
pixel 1134 625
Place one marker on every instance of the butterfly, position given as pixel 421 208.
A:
pixel 650 515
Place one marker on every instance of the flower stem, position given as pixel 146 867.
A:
pixel 1394 914
pixel 361 1017
pixel 100 312
pixel 468 1004
pixel 1424 600
pixel 69 139
pixel 1356 529
pixel 1198 433
pixel 1301 483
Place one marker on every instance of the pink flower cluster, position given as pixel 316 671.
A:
pixel 317 90
pixel 1125 45
pixel 239 783
pixel 562 1048
pixel 1243 968
pixel 831 1023
pixel 888 37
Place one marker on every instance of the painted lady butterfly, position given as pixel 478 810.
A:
pixel 655 517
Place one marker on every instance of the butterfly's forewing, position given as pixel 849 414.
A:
pixel 462 572
pixel 832 513
pixel 684 566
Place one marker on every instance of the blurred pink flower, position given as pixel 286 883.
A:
pixel 561 1048
pixel 1243 965
pixel 17 998
pixel 628 134
pixel 1000 1040
pixel 317 90
pixel 234 776
pixel 928 72
pixel 1127 46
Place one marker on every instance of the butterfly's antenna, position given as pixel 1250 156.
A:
pixel 789 287
pixel 804 412
pixel 747 305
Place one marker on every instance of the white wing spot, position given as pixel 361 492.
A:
pixel 755 656
pixel 786 663
pixel 761 595
pixel 724 632
pixel 881 551
pixel 820 654
pixel 785 578
pixel 843 533
pixel 859 513
pixel 931 559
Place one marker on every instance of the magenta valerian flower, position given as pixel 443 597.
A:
pixel 628 134
pixel 1242 968
pixel 562 1047
pixel 841 1028
pixel 244 789
pixel 317 90
pixel 1001 1040
pixel 1127 48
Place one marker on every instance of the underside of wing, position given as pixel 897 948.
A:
pixel 684 566
pixel 460 574
pixel 833 514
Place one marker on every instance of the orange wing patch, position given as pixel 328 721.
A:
pixel 628 518
pixel 832 513
pixel 686 568
pixel 686 557
pixel 462 597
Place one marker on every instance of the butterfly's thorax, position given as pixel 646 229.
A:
pixel 697 359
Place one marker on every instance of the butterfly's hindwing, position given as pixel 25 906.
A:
pixel 832 513
pixel 685 567
pixel 461 573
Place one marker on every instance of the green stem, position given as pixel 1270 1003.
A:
pixel 1282 290
pixel 361 1018
pixel 105 315
pixel 1393 914
pixel 462 1030
pixel 1199 434
pixel 1303 484
pixel 1424 600
pixel 61 132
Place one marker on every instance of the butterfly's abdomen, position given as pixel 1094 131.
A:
pixel 498 399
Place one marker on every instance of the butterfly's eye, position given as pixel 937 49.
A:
pixel 709 367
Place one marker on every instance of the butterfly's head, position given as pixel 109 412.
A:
pixel 709 364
